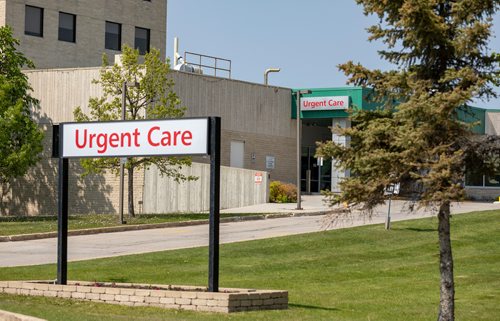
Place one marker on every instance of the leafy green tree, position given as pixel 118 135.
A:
pixel 20 136
pixel 152 98
pixel 440 50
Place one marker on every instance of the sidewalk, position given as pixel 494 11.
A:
pixel 310 204
pixel 316 204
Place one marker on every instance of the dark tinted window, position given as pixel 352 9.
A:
pixel 141 40
pixel 113 36
pixel 33 21
pixel 492 180
pixel 473 177
pixel 67 27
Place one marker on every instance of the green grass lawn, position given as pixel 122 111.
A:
pixel 363 273
pixel 26 225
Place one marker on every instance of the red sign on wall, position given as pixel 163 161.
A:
pixel 135 138
pixel 258 178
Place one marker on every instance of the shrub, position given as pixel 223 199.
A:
pixel 280 192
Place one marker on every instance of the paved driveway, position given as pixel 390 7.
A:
pixel 132 242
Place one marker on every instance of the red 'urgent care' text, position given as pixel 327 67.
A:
pixel 323 103
pixel 103 141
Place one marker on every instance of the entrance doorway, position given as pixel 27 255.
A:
pixel 315 175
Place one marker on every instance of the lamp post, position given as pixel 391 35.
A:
pixel 123 160
pixel 299 143
pixel 266 73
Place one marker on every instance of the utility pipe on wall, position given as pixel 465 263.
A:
pixel 268 71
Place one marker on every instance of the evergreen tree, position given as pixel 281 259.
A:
pixel 440 50
pixel 20 136
pixel 152 98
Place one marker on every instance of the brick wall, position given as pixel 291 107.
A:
pixel 170 297
pixel 91 16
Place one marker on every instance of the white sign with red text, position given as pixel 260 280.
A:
pixel 135 138
pixel 324 103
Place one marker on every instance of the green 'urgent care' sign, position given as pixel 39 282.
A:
pixel 330 102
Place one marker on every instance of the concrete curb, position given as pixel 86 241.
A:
pixel 124 228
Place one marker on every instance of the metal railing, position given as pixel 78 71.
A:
pixel 214 67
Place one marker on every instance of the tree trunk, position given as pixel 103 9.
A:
pixel 131 211
pixel 447 294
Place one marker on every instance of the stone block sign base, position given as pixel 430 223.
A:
pixel 227 300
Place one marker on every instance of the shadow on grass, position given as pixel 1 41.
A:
pixel 27 218
pixel 415 229
pixel 311 307
pixel 118 280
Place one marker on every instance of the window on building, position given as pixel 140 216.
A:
pixel 142 40
pixel 492 181
pixel 113 36
pixel 33 21
pixel 473 177
pixel 67 27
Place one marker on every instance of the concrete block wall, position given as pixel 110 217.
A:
pixel 257 147
pixel 256 114
pixel 36 193
pixel 489 194
pixel 237 187
pixel 170 297
pixel 91 15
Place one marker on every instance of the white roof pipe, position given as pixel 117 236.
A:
pixel 176 51
pixel 268 71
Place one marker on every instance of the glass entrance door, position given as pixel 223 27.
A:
pixel 314 176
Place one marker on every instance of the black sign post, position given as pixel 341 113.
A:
pixel 62 223
pixel 214 220
pixel 214 125
pixel 62 208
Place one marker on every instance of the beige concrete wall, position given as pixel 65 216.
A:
pixel 2 12
pixel 36 193
pixel 238 188
pixel 492 125
pixel 49 52
pixel 256 114
pixel 60 91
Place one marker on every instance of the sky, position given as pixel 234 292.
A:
pixel 306 39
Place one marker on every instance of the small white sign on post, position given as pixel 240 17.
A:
pixel 135 138
pixel 392 189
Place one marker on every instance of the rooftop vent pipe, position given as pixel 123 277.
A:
pixel 268 71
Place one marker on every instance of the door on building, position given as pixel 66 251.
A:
pixel 315 176
pixel 237 154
